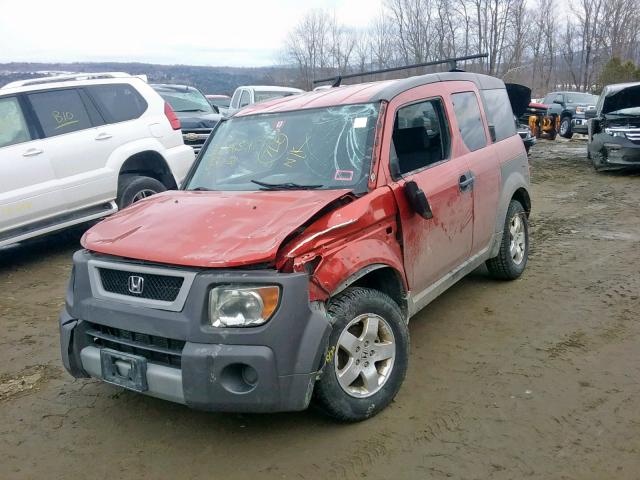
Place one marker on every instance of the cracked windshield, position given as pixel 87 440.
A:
pixel 326 148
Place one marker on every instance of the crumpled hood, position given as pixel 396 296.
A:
pixel 207 229
pixel 190 120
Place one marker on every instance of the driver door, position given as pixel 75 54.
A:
pixel 421 151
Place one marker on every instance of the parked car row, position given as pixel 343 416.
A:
pixel 75 148
pixel 78 147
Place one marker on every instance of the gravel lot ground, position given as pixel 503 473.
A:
pixel 535 378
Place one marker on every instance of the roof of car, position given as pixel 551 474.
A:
pixel 366 92
pixel 69 80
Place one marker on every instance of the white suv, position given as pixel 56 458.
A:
pixel 79 147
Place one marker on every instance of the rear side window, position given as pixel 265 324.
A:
pixel 60 111
pixel 13 128
pixel 118 102
pixel 467 110
pixel 499 114
pixel 420 135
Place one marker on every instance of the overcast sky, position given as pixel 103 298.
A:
pixel 214 32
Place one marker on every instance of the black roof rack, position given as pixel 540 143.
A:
pixel 451 61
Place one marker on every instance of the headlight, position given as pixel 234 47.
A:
pixel 580 109
pixel 242 306
pixel 613 133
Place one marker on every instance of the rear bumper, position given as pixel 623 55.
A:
pixel 261 369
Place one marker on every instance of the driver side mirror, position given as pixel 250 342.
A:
pixel 595 125
pixel 418 200
pixel 558 101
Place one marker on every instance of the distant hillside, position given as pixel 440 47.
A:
pixel 221 80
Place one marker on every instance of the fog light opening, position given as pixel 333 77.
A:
pixel 239 378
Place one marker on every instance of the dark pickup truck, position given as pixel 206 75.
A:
pixel 571 108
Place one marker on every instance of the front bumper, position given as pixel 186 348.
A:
pixel 615 155
pixel 579 125
pixel 268 368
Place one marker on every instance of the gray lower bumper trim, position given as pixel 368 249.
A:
pixel 163 382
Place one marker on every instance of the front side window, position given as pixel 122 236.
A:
pixel 244 99
pixel 324 148
pixel 499 113
pixel 119 102
pixel 13 127
pixel 420 135
pixel 60 111
pixel 467 110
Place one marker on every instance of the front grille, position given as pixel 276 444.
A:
pixel 152 287
pixel 160 350
pixel 195 137
pixel 633 134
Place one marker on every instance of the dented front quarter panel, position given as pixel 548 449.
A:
pixel 345 241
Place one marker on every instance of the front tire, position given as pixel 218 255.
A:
pixel 132 188
pixel 367 355
pixel 514 249
pixel 565 127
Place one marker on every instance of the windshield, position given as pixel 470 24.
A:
pixel 264 96
pixel 581 98
pixel 186 101
pixel 325 148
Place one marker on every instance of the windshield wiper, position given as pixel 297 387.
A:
pixel 192 110
pixel 200 189
pixel 286 186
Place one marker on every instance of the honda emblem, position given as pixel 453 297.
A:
pixel 136 284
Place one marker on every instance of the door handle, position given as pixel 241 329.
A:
pixel 32 152
pixel 104 136
pixel 466 181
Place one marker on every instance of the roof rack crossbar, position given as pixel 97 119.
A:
pixel 451 61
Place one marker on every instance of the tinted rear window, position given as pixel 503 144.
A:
pixel 119 102
pixel 467 111
pixel 499 113
pixel 60 111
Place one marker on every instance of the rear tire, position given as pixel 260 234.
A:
pixel 132 188
pixel 367 355
pixel 514 248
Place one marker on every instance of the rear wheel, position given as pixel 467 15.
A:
pixel 133 188
pixel 514 249
pixel 367 356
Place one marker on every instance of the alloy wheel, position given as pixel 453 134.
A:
pixel 365 355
